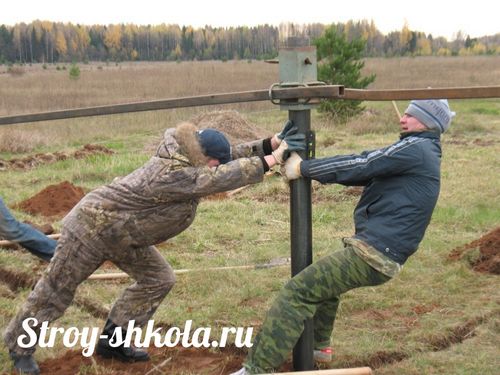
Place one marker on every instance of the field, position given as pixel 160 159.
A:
pixel 439 316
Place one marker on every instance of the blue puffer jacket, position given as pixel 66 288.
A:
pixel 401 189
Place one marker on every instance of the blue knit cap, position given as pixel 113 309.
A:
pixel 215 145
pixel 435 114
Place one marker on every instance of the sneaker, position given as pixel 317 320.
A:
pixel 241 371
pixel 323 355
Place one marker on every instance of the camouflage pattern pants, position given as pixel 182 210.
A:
pixel 72 264
pixel 313 293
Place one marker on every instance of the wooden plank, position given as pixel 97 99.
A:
pixel 430 93
pixel 338 371
pixel 193 101
pixel 123 275
pixel 10 243
pixel 285 94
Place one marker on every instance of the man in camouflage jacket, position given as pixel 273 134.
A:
pixel 401 187
pixel 122 222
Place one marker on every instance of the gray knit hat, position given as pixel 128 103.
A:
pixel 435 114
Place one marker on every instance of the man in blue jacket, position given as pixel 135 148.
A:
pixel 401 187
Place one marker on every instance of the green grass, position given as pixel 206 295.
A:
pixel 253 227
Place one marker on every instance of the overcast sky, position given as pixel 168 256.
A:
pixel 440 18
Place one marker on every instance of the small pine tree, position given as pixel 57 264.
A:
pixel 74 72
pixel 340 64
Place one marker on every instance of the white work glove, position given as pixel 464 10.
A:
pixel 280 152
pixel 291 169
pixel 294 142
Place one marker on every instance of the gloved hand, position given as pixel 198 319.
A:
pixel 288 129
pixel 291 169
pixel 295 142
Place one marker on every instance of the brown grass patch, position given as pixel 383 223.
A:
pixel 435 71
pixel 16 71
pixel 33 161
pixel 19 141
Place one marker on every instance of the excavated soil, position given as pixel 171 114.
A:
pixel 173 361
pixel 33 161
pixel 176 360
pixel 488 259
pixel 232 124
pixel 54 200
pixel 15 280
pixel 456 335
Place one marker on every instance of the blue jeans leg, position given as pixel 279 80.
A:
pixel 24 234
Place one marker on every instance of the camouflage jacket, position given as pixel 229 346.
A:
pixel 159 200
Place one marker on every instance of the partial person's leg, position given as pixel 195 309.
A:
pixel 324 319
pixel 322 281
pixel 24 234
pixel 72 264
pixel 154 278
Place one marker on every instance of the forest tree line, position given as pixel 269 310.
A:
pixel 52 42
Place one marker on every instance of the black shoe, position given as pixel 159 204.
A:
pixel 122 353
pixel 24 364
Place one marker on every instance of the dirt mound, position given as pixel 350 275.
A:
pixel 487 259
pixel 54 200
pixel 232 124
pixel 33 161
pixel 166 360
pixel 176 360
